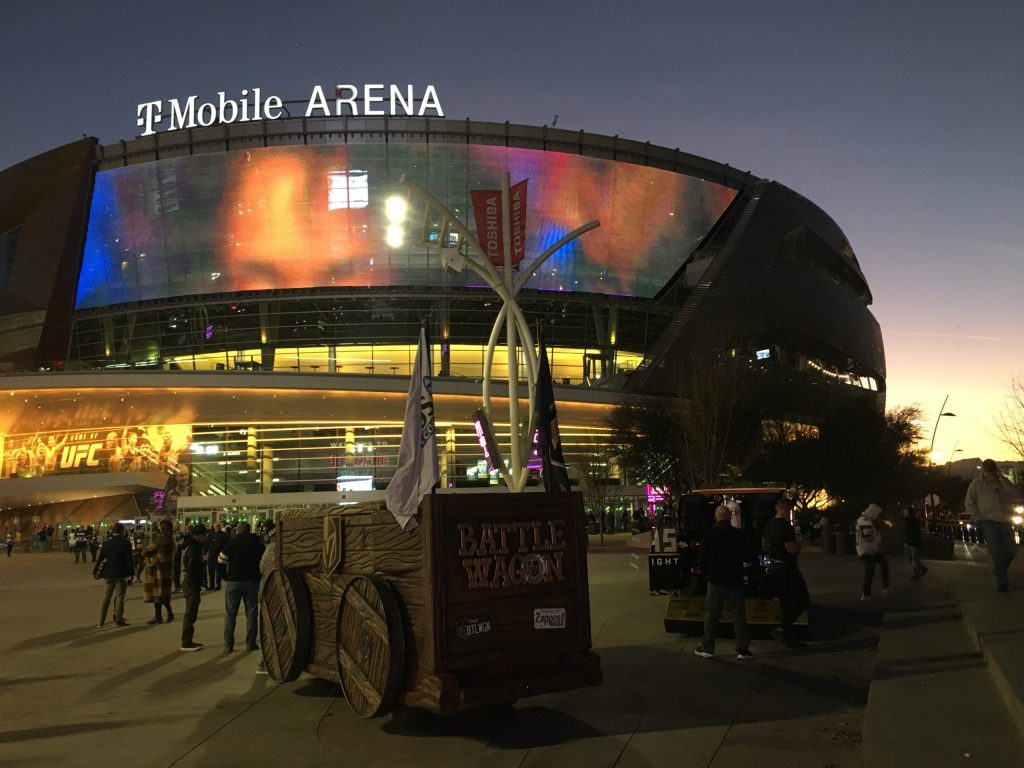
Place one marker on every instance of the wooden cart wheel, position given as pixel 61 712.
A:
pixel 285 624
pixel 371 646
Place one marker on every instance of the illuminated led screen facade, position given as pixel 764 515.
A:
pixel 228 300
pixel 313 216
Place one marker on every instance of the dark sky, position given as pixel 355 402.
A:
pixel 903 120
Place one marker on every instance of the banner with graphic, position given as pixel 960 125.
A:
pixel 418 468
pixel 129 449
pixel 545 418
pixel 490 221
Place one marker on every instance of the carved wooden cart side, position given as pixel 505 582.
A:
pixel 485 602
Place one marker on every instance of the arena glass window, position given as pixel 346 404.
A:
pixel 347 189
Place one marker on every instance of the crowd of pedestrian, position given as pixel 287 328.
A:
pixel 191 560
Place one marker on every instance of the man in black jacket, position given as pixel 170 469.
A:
pixel 218 539
pixel 790 587
pixel 912 541
pixel 723 550
pixel 192 570
pixel 240 561
pixel 115 564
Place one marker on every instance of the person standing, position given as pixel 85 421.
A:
pixel 10 544
pixel 723 550
pixel 218 539
pixel 912 541
pixel 180 540
pixel 240 561
pixel 80 541
pixel 790 587
pixel 869 549
pixel 115 564
pixel 137 559
pixel 990 500
pixel 94 544
pixel 192 584
pixel 156 578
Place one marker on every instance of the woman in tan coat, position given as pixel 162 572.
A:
pixel 156 582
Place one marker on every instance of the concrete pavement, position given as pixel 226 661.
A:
pixel 71 694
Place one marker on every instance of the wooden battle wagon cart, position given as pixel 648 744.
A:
pixel 485 602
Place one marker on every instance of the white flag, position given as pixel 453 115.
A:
pixel 418 469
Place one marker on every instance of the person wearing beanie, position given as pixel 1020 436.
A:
pixel 790 586
pixel 990 499
pixel 115 567
pixel 192 571
pixel 869 549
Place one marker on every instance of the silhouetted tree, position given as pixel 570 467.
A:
pixel 707 435
pixel 1010 420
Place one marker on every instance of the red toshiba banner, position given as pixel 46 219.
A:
pixel 487 210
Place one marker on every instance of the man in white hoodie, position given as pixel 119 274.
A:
pixel 869 549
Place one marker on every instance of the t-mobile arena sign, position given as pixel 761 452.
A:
pixel 373 99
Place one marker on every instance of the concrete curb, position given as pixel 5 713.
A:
pixel 996 622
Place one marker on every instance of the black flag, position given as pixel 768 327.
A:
pixel 549 442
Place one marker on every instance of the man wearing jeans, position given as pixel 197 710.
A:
pixel 723 551
pixel 115 564
pixel 990 500
pixel 240 564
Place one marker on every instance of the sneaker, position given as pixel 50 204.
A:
pixel 253 647
pixel 100 625
pixel 744 654
pixel 777 633
pixel 191 646
pixel 229 648
pixel 699 651
pixel 155 620
pixel 121 623
pixel 261 669
pixel 865 598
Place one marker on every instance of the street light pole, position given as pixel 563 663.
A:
pixel 952 455
pixel 931 451
pixel 942 412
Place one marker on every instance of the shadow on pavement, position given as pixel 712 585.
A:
pixel 51 730
pixel 504 727
pixel 132 674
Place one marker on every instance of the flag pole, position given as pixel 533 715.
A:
pixel 510 336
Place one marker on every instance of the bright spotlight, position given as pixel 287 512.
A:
pixel 395 236
pixel 395 208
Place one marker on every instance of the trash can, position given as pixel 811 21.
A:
pixel 44 545
pixel 26 546
pixel 844 542
pixel 828 542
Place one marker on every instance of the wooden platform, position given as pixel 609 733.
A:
pixel 490 600
pixel 685 614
